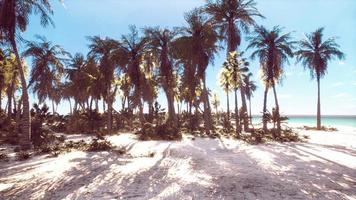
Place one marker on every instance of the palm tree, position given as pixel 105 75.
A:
pixel 273 48
pixel 14 17
pixel 201 37
pixel 236 67
pixel 47 68
pixel 216 104
pixel 250 87
pixel 225 83
pixel 131 53
pixel 314 53
pixel 160 43
pixel 102 51
pixel 231 18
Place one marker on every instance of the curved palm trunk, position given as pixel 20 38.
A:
pixel 26 118
pixel 237 120
pixel 318 115
pixel 277 110
pixel 208 123
pixel 264 119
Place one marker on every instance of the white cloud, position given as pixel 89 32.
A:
pixel 337 84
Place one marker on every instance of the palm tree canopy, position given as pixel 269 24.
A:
pixel 201 38
pixel 15 14
pixel 273 48
pixel 250 85
pixel 232 16
pixel 314 53
pixel 47 67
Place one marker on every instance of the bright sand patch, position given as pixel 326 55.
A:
pixel 322 168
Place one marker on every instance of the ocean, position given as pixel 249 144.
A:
pixel 325 120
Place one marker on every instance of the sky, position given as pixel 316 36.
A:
pixel 77 19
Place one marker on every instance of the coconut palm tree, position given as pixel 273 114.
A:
pixel 216 103
pixel 201 38
pixel 14 18
pixel 102 51
pixel 132 49
pixel 273 48
pixel 315 53
pixel 250 87
pixel 231 18
pixel 236 66
pixel 160 43
pixel 47 68
pixel 225 83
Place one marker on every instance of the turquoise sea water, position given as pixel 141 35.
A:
pixel 325 120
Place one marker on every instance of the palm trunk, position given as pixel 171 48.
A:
pixel 238 129
pixel 264 119
pixel 171 110
pixel 228 105
pixel 109 103
pixel 249 102
pixel 207 111
pixel 277 110
pixel 318 115
pixel 26 118
pixel 53 110
pixel 70 106
pixel 244 109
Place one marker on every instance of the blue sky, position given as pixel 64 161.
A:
pixel 80 18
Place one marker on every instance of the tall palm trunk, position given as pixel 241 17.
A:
pixel 249 102
pixel 207 111
pixel 228 104
pixel 70 106
pixel 264 119
pixel 277 110
pixel 26 118
pixel 53 109
pixel 172 118
pixel 110 109
pixel 238 129
pixel 318 115
pixel 244 109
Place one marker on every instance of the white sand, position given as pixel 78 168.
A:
pixel 323 168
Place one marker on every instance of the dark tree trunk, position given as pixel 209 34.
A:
pixel 318 115
pixel 244 108
pixel 277 110
pixel 228 105
pixel 238 129
pixel 172 118
pixel 26 118
pixel 207 111
pixel 264 119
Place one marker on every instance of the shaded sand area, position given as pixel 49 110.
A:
pixel 322 168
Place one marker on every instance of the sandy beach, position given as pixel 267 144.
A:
pixel 200 168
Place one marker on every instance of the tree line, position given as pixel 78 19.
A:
pixel 141 62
